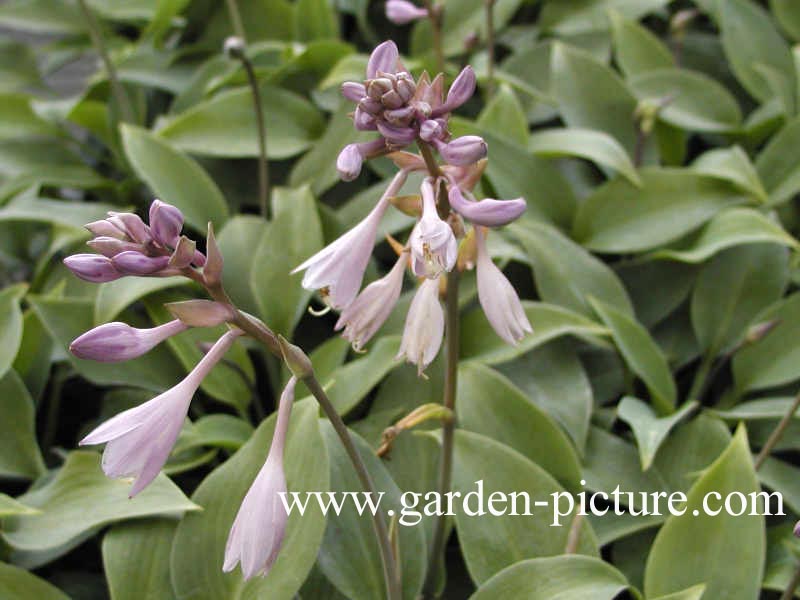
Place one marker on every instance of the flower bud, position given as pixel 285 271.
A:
pixel 92 267
pixel 363 121
pixel 392 100
pixel 463 151
pixel 430 130
pixel 461 91
pixel 487 212
pixel 405 86
pixel 796 530
pixel 383 58
pixel 136 263
pixel 166 222
pixel 402 12
pixel 399 116
pixel 110 247
pixel 349 162
pixel 115 342
pixel 132 225
pixel 353 91
pixel 397 136
pixel 201 313
pixel 378 87
pixel 233 47
pixel 106 229
pixel 297 360
pixel 368 105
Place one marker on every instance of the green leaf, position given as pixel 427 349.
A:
pixel 553 378
pixel 479 342
pixel 504 115
pixel 136 559
pixel 293 235
pixel 590 16
pixel 592 96
pixel 238 241
pixel 775 359
pixel 217 430
pixel 115 296
pixel 17 118
pixel 226 125
pixel 10 324
pixel 18 583
pixel 649 430
pixel 641 354
pixel 349 554
pixel 751 40
pixel 781 477
pixel 79 499
pixel 776 165
pixel 754 410
pixel 199 545
pixel 636 48
pixel 733 227
pixel 694 101
pixel 314 20
pixel 732 289
pixel 732 164
pixel 565 273
pixel 562 577
pixel 42 16
pixel 788 17
pixel 725 552
pixel 19 452
pixel 491 543
pixel 9 507
pixel 693 593
pixel 66 319
pixel 592 145
pixel 619 217
pixel 491 405
pixel 175 178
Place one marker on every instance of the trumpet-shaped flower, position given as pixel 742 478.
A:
pixel 257 533
pixel 487 212
pixel 338 269
pixel 498 298
pixel 424 328
pixel 365 315
pixel 433 245
pixel 140 439
pixel 115 342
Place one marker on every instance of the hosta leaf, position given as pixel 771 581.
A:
pixel 19 583
pixel 636 48
pixel 505 116
pixel 725 552
pixel 563 577
pixel 733 165
pixel 776 166
pixel 9 507
pixel 238 242
pixel 491 543
pixel 10 325
pixel 115 296
pixel 19 452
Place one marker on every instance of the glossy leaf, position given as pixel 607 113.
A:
pixel 18 583
pixel 19 451
pixel 10 325
pixel 733 165
pixel 636 48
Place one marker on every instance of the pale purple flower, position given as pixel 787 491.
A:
pixel 401 12
pixel 132 225
pixel 258 530
pixel 166 222
pixel 92 267
pixel 111 246
pixel 338 269
pixel 136 263
pixel 140 440
pixel 498 298
pixel 106 228
pixel 487 212
pixel 362 318
pixel 384 59
pixel 115 342
pixel 462 151
pixel 461 91
pixel 424 328
pixel 352 157
pixel 353 91
pixel 433 245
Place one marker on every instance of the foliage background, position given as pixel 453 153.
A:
pixel 644 258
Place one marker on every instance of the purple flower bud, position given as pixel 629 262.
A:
pixel 383 58
pixel 363 121
pixel 136 263
pixel 430 130
pixel 166 222
pixel 371 106
pixel 353 91
pixel 349 162
pixel 392 100
pixel 463 151
pixel 461 91
pixel 92 267
pixel 405 86
pixel 400 116
pixel 110 247
pixel 397 136
pixel 133 226
pixel 106 229
pixel 796 530
pixel 401 12
pixel 115 342
pixel 487 212
pixel 378 87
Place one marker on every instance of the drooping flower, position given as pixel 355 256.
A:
pixel 139 440
pixel 115 342
pixel 498 298
pixel 338 269
pixel 365 315
pixel 462 151
pixel 487 212
pixel 433 245
pixel 401 12
pixel 424 328
pixel 257 533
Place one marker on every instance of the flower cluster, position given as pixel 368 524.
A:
pixel 404 112
pixel 139 440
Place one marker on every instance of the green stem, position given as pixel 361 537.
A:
pixel 390 571
pixel 263 165
pixel 700 377
pixel 788 593
pixel 60 376
pixel 777 434
pixel 123 103
pixel 435 17
pixel 236 20
pixel 490 44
